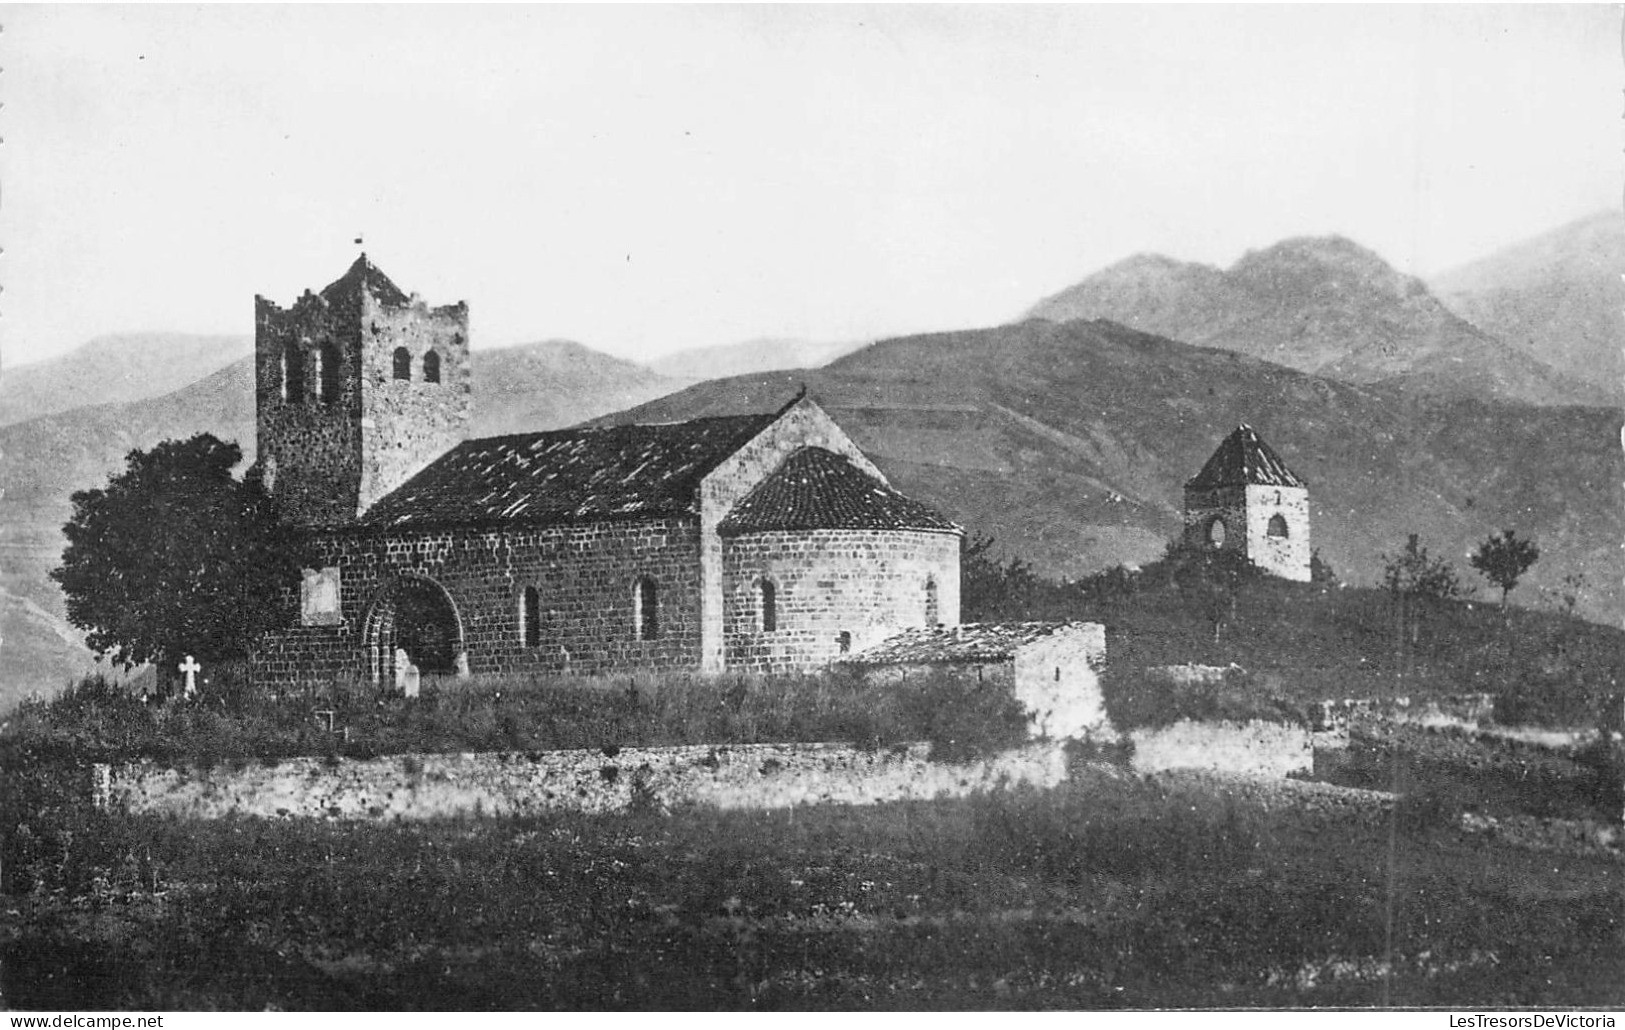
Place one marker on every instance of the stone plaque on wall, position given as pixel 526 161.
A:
pixel 319 598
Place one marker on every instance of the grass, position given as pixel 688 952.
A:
pixel 1309 641
pixel 233 726
pixel 1108 893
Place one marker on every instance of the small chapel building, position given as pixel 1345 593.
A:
pixel 763 542
pixel 1246 499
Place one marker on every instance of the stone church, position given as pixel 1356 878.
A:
pixel 760 543
pixel 1246 499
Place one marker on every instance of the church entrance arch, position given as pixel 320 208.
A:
pixel 416 615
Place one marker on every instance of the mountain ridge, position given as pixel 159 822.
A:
pixel 1320 304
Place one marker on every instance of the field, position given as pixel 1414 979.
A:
pixel 1112 892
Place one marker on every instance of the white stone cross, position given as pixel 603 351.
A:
pixel 191 668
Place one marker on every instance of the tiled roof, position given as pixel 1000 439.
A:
pixel 1244 460
pixel 975 642
pixel 364 276
pixel 570 475
pixel 819 489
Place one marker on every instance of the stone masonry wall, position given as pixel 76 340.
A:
pixel 328 460
pixel 1253 748
pixel 584 576
pixel 1288 556
pixel 1058 678
pixel 804 425
pixel 407 423
pixel 866 583
pixel 1227 503
pixel 518 783
pixel 308 449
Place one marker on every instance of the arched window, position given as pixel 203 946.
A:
pixel 403 363
pixel 293 373
pixel 1277 526
pixel 843 640
pixel 931 615
pixel 645 609
pixel 530 616
pixel 767 606
pixel 431 367
pixel 1216 533
pixel 330 373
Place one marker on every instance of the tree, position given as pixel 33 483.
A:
pixel 990 589
pixel 1415 579
pixel 1211 577
pixel 176 557
pixel 1504 559
pixel 1414 573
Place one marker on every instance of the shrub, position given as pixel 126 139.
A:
pixel 1137 700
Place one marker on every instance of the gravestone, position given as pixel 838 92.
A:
pixel 191 668
pixel 407 678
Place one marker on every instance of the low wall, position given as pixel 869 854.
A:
pixel 521 783
pixel 1253 748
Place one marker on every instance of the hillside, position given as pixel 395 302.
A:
pixel 115 369
pixel 1557 296
pixel 1323 305
pixel 737 359
pixel 1071 443
pixel 535 386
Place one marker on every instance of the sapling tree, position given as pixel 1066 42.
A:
pixel 175 556
pixel 1503 559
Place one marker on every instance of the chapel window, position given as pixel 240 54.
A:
pixel 1277 526
pixel 431 367
pixel 403 363
pixel 844 641
pixel 767 608
pixel 329 372
pixel 931 615
pixel 645 609
pixel 1216 533
pixel 530 616
pixel 293 373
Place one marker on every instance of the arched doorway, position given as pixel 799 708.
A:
pixel 414 614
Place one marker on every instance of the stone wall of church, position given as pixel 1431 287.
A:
pixel 407 423
pixel 308 446
pixel 864 584
pixel 1205 507
pixel 329 457
pixel 584 577
pixel 1285 556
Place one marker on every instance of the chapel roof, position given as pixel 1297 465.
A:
pixel 568 475
pixel 946 645
pixel 365 277
pixel 816 488
pixel 1243 459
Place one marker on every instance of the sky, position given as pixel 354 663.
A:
pixel 647 179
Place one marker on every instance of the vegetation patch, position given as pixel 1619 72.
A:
pixel 1148 699
pixel 232 725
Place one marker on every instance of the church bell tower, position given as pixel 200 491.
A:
pixel 357 388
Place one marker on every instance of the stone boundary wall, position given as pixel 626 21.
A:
pixel 1336 718
pixel 526 783
pixel 1253 748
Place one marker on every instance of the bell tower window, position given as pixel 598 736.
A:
pixel 329 373
pixel 1277 526
pixel 293 374
pixel 403 363
pixel 431 367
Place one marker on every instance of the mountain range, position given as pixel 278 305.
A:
pixel 1323 305
pixel 1067 435
pixel 1558 296
pixel 1070 444
pixel 768 354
